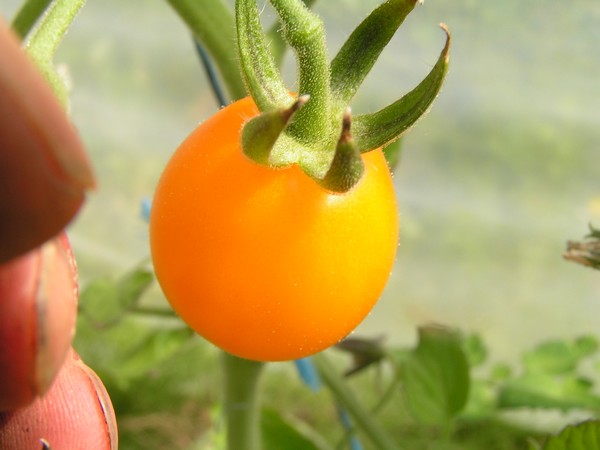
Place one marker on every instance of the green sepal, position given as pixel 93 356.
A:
pixel 347 167
pixel 259 71
pixel 312 139
pixel 358 54
pixel 261 132
pixel 388 124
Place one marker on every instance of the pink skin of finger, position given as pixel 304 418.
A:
pixel 44 169
pixel 75 414
pixel 38 309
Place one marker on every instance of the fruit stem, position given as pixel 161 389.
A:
pixel 241 402
pixel 305 33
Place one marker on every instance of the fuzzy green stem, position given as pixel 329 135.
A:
pixel 276 43
pixel 304 32
pixel 44 41
pixel 363 418
pixel 241 402
pixel 28 15
pixel 45 38
pixel 212 24
pixel 256 62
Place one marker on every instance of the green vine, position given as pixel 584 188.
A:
pixel 363 418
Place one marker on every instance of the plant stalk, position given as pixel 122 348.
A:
pixel 362 417
pixel 241 403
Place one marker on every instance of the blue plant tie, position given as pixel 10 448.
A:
pixel 145 205
pixel 308 373
pixel 355 443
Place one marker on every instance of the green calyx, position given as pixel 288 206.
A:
pixel 313 131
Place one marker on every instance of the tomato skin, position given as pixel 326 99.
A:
pixel 264 263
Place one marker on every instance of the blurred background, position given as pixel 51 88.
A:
pixel 501 173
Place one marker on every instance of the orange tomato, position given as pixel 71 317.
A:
pixel 264 263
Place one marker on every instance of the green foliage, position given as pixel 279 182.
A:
pixel 585 436
pixel 451 396
pixel 116 334
pixel 105 301
pixel 551 378
pixel 279 433
pixel 436 377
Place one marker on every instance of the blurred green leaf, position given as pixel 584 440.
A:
pixel 584 436
pixel 153 349
pixel 133 285
pixel 559 357
pixel 475 350
pixel 105 301
pixel 550 378
pixel 542 390
pixel 98 301
pixel 436 376
pixel 119 345
pixel 500 372
pixel 482 401
pixel 129 348
pixel 278 433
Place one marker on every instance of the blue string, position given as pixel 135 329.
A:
pixel 145 206
pixel 211 73
pixel 355 443
pixel 308 373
